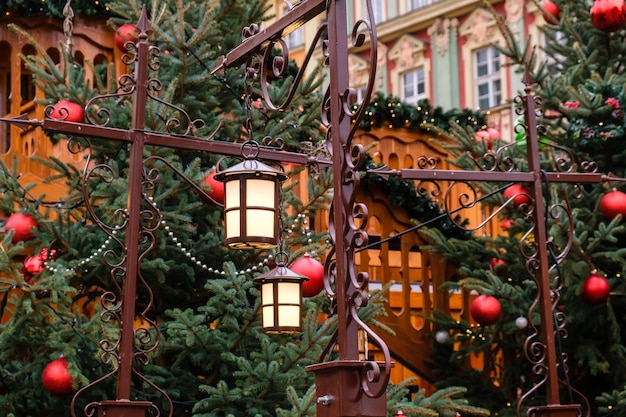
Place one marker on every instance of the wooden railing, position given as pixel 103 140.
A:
pixel 92 41
pixel 414 274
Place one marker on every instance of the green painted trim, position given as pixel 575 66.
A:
pixel 446 83
pixel 455 82
pixel 517 86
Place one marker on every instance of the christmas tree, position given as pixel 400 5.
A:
pixel 577 71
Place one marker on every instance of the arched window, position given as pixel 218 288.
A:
pixel 79 58
pixel 408 161
pixel 101 69
pixel 27 87
pixel 393 161
pixel 55 55
pixel 5 94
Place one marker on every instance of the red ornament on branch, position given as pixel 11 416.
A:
pixel 68 111
pixel 314 271
pixel 36 263
pixel 595 289
pixel 485 309
pixel 498 266
pixel 217 189
pixel 22 225
pixel 612 204
pixel 520 193
pixel 608 15
pixel 483 134
pixel 494 133
pixel 506 224
pixel 551 12
pixel 125 33
pixel 56 379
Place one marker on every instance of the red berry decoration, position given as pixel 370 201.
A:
pixel 68 111
pixel 125 33
pixel 551 11
pixel 612 204
pixel 608 15
pixel 485 309
pixel 23 225
pixel 217 189
pixel 314 271
pixel 595 289
pixel 56 379
pixel 520 193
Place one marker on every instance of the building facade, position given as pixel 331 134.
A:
pixel 440 50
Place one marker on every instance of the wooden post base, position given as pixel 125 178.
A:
pixel 340 394
pixel 121 408
pixel 556 410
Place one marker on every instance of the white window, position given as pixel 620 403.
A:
pixel 416 4
pixel 413 86
pixel 296 38
pixel 552 43
pixel 488 83
pixel 378 10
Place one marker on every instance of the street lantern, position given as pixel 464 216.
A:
pixel 281 300
pixel 251 204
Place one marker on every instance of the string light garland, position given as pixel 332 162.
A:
pixel 55 266
pixel 53 8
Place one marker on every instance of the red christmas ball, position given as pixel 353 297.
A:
pixel 612 204
pixel 23 225
pixel 125 33
pixel 56 378
pixel 497 265
pixel 520 193
pixel 494 133
pixel 506 223
pixel 217 189
pixel 68 111
pixel 551 11
pixel 608 15
pixel 485 309
pixel 482 134
pixel 32 266
pixel 35 264
pixel 595 289
pixel 313 270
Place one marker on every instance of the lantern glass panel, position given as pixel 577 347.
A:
pixel 232 194
pixel 268 316
pixel 260 193
pixel 289 293
pixel 260 223
pixel 233 223
pixel 289 316
pixel 267 293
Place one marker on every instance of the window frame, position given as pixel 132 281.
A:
pixel 491 78
pixel 418 80
pixel 417 4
